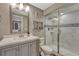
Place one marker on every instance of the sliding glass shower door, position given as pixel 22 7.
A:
pixel 69 36
pixel 62 30
pixel 51 30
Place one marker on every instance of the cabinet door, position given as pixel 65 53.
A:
pixel 24 50
pixel 33 49
pixel 13 51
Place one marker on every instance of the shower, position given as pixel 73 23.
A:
pixel 62 30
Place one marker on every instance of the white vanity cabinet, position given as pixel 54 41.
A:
pixel 24 50
pixel 30 48
pixel 11 51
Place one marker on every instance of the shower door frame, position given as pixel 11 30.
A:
pixel 58 29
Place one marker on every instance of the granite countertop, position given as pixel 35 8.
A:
pixel 10 41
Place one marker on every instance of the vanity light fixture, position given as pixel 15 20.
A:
pixel 21 6
pixel 27 8
pixel 13 5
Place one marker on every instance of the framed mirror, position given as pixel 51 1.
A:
pixel 19 18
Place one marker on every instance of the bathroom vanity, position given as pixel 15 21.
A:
pixel 24 46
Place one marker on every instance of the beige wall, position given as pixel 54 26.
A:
pixel 5 19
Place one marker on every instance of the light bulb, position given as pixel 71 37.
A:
pixel 21 6
pixel 56 19
pixel 27 8
pixel 61 13
pixel 13 4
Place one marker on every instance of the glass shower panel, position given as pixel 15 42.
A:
pixel 69 34
pixel 51 30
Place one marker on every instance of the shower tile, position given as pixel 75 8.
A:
pixel 69 39
pixel 70 18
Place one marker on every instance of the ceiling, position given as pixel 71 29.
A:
pixel 42 6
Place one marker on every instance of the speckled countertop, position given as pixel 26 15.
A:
pixel 10 41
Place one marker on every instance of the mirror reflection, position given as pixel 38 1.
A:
pixel 19 18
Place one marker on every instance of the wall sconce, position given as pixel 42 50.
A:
pixel 21 6
pixel 13 5
pixel 27 8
